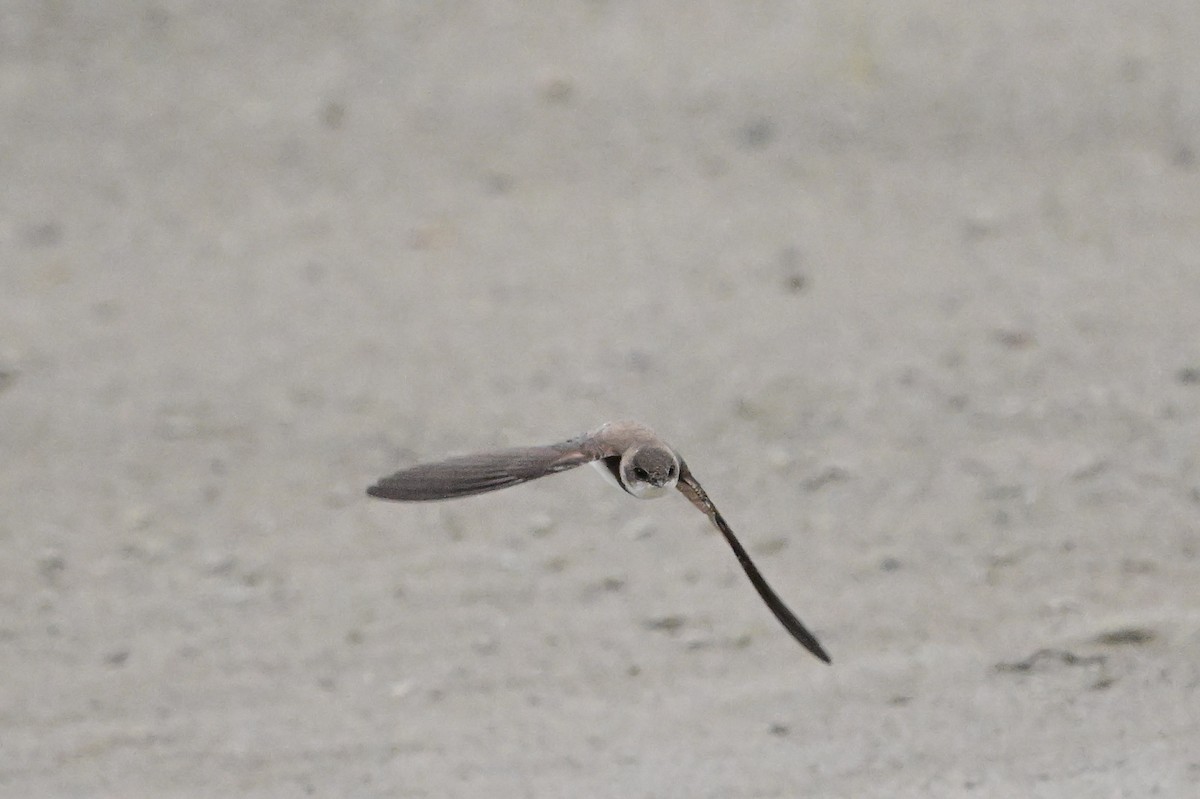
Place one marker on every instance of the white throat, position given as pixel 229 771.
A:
pixel 639 489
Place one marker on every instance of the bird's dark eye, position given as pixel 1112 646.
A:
pixel 640 473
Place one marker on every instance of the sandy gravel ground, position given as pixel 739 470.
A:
pixel 914 286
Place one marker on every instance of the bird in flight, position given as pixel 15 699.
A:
pixel 629 455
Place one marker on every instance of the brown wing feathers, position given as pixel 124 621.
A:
pixel 476 474
pixel 691 489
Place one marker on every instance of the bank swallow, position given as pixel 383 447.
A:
pixel 629 455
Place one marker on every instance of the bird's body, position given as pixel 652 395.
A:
pixel 627 454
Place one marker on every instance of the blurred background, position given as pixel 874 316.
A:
pixel 913 286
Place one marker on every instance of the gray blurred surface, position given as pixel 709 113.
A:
pixel 913 286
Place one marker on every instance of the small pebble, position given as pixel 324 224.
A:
pixel 540 525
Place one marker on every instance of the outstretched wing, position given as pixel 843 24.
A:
pixel 486 471
pixel 691 489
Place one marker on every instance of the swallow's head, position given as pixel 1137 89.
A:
pixel 649 471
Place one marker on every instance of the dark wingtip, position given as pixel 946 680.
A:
pixel 397 493
pixel 806 639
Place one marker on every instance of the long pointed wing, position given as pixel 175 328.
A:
pixel 485 471
pixel 691 489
